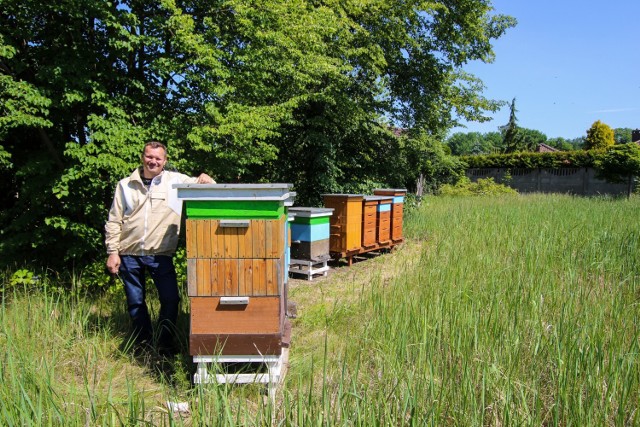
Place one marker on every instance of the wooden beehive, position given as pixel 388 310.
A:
pixel 397 208
pixel 383 221
pixel 346 223
pixel 369 221
pixel 237 242
pixel 376 222
pixel 310 230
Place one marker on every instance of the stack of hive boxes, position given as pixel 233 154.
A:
pixel 397 208
pixel 310 232
pixel 376 222
pixel 346 224
pixel 237 242
pixel 369 221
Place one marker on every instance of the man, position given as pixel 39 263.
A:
pixel 142 235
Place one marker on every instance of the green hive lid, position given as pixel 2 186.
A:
pixel 236 192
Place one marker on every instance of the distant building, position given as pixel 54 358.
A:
pixel 544 148
pixel 635 136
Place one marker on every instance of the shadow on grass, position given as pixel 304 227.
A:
pixel 174 367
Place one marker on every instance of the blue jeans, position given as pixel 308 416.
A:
pixel 160 267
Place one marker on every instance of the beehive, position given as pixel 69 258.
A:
pixel 397 208
pixel 369 221
pixel 310 230
pixel 376 221
pixel 346 223
pixel 236 266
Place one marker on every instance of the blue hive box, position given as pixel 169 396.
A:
pixel 310 233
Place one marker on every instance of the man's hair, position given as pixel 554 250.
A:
pixel 154 144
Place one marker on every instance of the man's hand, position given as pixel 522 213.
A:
pixel 113 263
pixel 205 179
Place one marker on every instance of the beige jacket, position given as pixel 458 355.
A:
pixel 145 222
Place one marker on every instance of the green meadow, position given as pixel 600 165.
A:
pixel 504 310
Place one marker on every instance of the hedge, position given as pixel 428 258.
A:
pixel 613 164
pixel 528 160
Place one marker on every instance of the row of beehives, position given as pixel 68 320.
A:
pixel 238 255
pixel 348 225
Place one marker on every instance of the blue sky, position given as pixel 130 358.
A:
pixel 568 63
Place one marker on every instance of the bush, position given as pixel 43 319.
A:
pixel 613 164
pixel 619 162
pixel 482 187
pixel 529 160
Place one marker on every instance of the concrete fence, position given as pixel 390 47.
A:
pixel 580 181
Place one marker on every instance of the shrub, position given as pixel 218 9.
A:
pixel 528 160
pixel 619 162
pixel 614 164
pixel 482 187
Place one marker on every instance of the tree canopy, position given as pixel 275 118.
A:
pixel 599 136
pixel 465 143
pixel 622 135
pixel 300 91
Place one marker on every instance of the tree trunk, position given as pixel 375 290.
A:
pixel 420 185
pixel 52 150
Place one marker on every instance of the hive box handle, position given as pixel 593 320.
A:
pixel 234 300
pixel 234 223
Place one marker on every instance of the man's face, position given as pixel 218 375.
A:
pixel 153 161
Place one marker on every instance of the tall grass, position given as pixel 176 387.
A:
pixel 496 311
pixel 515 310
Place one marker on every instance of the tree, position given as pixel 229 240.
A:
pixel 577 143
pixel 510 132
pixel 622 135
pixel 234 87
pixel 530 139
pixel 494 142
pixel 561 144
pixel 599 136
pixel 427 162
pixel 463 144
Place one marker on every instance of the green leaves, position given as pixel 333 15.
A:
pixel 482 187
pixel 262 90
pixel 21 106
pixel 619 162
pixel 615 164
pixel 558 159
pixel 599 136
